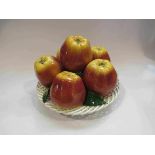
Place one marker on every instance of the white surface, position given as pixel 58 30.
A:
pixel 131 45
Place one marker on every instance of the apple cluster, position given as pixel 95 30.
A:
pixel 60 73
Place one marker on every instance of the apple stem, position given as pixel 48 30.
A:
pixel 101 64
pixel 99 48
pixel 78 40
pixel 42 60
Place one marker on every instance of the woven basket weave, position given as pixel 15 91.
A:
pixel 82 110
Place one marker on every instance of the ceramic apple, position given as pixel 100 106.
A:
pixel 58 55
pixel 67 90
pixel 46 68
pixel 100 76
pixel 75 53
pixel 100 53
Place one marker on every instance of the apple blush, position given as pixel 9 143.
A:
pixel 58 55
pixel 100 76
pixel 67 90
pixel 75 53
pixel 100 53
pixel 46 68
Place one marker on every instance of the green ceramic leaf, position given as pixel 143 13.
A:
pixel 80 73
pixel 93 99
pixel 46 95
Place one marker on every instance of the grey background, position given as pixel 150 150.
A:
pixel 131 45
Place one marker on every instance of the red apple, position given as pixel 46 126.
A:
pixel 100 53
pixel 46 68
pixel 58 55
pixel 75 53
pixel 67 90
pixel 100 76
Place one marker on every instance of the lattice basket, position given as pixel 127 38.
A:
pixel 79 111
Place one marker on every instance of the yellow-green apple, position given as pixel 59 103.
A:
pixel 75 53
pixel 67 90
pixel 100 76
pixel 46 68
pixel 100 53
